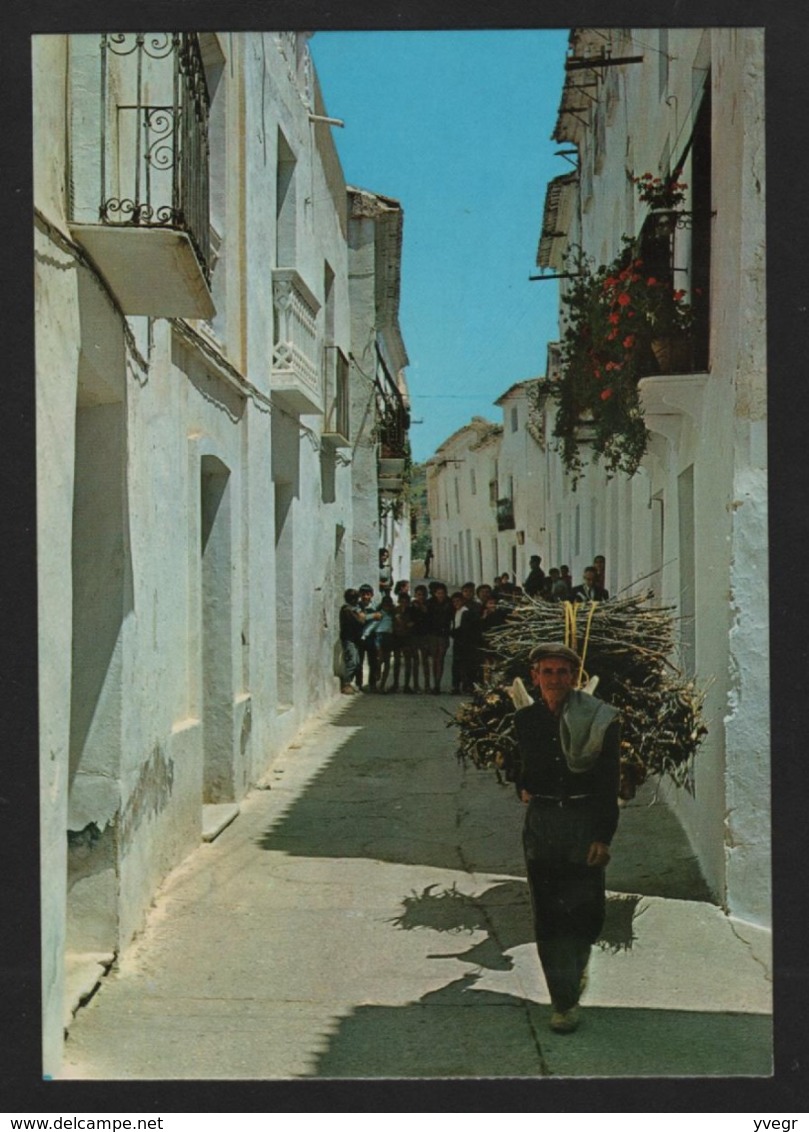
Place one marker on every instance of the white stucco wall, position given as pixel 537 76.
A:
pixel 365 543
pixel 712 425
pixel 461 514
pixel 195 535
pixel 520 462
pixel 702 550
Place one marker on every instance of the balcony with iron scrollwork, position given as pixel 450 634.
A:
pixel 140 169
pixel 295 376
pixel 393 422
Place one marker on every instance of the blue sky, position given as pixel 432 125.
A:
pixel 456 125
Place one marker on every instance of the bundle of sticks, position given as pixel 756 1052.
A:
pixel 626 646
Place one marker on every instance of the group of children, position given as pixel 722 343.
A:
pixel 404 638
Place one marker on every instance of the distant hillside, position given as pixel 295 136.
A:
pixel 419 517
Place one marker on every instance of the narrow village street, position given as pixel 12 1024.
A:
pixel 366 916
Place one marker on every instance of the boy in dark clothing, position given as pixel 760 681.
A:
pixel 420 637
pixel 351 623
pixel 439 626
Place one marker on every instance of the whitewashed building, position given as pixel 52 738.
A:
pixel 196 494
pixel 462 500
pixel 380 401
pixel 521 486
pixel 691 523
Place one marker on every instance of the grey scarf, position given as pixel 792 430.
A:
pixel 582 725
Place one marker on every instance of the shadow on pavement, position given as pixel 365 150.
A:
pixel 395 791
pixel 462 1032
pixel 504 913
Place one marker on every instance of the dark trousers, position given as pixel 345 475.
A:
pixel 368 651
pixel 568 898
pixel 463 666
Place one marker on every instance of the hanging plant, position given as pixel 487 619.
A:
pixel 660 194
pixel 610 316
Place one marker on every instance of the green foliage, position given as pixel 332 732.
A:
pixel 611 314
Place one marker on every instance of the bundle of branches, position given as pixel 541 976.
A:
pixel 627 643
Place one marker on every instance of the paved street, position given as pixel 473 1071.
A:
pixel 366 916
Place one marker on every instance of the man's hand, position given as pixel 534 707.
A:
pixel 598 854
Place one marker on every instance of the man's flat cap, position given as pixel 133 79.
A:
pixel 542 652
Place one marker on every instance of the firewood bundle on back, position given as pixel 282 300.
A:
pixel 627 644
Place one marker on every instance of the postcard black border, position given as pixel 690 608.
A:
pixel 21 1088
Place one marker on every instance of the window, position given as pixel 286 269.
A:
pixel 611 92
pixel 473 487
pixel 663 62
pixel 586 176
pixel 285 205
pixel 515 418
pixel 457 495
pixel 600 131
pixel 700 275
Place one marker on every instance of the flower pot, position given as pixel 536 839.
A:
pixel 673 354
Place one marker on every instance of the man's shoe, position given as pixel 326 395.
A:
pixel 565 1021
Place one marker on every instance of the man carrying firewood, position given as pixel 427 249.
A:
pixel 568 775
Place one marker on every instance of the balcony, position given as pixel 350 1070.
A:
pixel 139 169
pixel 391 473
pixel 336 424
pixel 294 381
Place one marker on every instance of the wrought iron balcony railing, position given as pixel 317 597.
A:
pixel 393 418
pixel 144 140
pixel 154 157
pixel 295 370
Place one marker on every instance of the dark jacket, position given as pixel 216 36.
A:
pixel 542 770
pixel 599 594
pixel 534 582
pixel 351 625
pixel 439 617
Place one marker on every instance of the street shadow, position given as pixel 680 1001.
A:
pixel 459 1031
pixel 395 791
pixel 503 912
